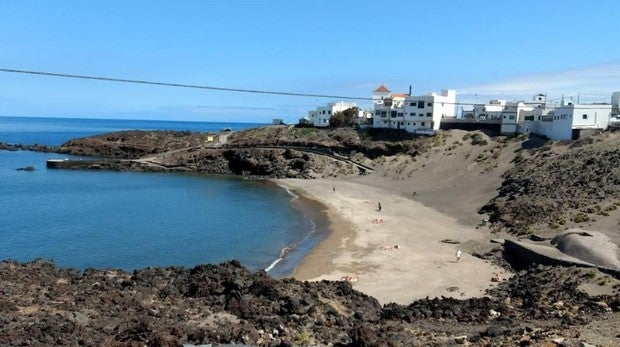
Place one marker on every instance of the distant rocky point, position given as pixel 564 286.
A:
pixel 23 147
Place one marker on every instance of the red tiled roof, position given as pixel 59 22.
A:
pixel 399 95
pixel 381 89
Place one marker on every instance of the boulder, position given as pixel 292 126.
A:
pixel 590 246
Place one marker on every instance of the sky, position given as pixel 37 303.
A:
pixel 482 49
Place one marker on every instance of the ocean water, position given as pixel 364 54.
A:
pixel 56 131
pixel 134 220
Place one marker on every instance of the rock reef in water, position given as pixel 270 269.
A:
pixel 23 147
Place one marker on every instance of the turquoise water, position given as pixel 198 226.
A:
pixel 133 220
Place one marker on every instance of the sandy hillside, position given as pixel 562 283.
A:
pixel 457 176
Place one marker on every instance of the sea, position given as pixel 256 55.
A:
pixel 127 220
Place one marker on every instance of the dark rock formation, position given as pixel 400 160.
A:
pixel 45 305
pixel 22 147
pixel 558 184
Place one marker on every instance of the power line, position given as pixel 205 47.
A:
pixel 180 85
pixel 236 90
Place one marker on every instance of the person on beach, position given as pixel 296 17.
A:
pixel 379 206
pixel 458 255
pixel 334 189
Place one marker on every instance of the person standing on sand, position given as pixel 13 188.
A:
pixel 334 189
pixel 458 255
pixel 379 205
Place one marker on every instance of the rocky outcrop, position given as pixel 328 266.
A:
pixel 262 152
pixel 22 147
pixel 590 246
pixel 135 144
pixel 264 163
pixel 45 305
pixel 559 184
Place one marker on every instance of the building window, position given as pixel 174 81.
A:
pixel 422 124
pixel 384 113
pixel 329 112
pixel 408 123
pixel 413 123
pixel 377 113
pixel 412 114
pixel 412 104
pixel 400 114
pixel 420 104
pixel 511 117
pixel 429 104
pixel 585 116
pixel 393 113
pixel 429 114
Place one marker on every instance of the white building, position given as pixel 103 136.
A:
pixel 508 113
pixel 559 123
pixel 411 112
pixel 320 116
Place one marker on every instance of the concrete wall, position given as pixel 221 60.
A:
pixel 489 126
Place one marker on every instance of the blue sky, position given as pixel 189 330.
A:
pixel 483 49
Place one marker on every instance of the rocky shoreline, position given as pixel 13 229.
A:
pixel 226 303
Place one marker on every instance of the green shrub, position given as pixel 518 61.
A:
pixel 580 217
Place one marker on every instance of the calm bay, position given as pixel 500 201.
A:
pixel 134 220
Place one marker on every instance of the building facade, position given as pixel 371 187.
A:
pixel 559 123
pixel 410 112
pixel 509 114
pixel 320 117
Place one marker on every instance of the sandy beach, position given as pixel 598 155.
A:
pixel 395 254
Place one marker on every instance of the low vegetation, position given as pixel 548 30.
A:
pixel 547 182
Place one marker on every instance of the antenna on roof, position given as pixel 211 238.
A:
pixel 410 90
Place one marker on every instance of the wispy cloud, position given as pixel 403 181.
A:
pixel 600 80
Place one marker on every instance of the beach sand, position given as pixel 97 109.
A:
pixel 363 239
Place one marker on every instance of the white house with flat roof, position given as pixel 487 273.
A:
pixel 411 112
pixel 559 123
pixel 508 113
pixel 320 116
